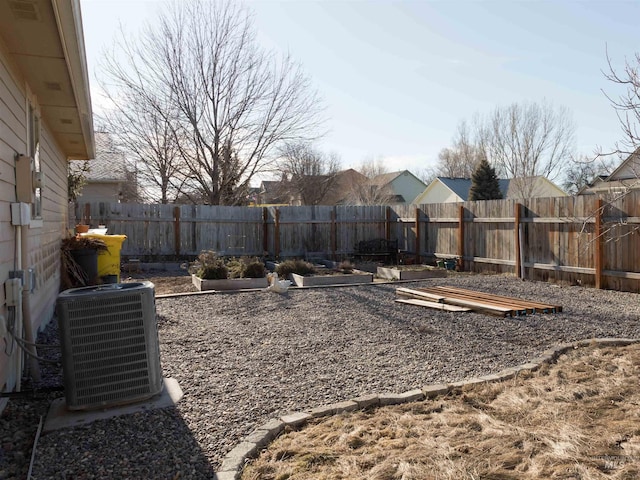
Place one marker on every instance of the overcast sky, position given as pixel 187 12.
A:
pixel 397 77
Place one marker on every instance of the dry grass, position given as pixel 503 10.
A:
pixel 577 419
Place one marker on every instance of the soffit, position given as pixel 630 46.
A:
pixel 43 41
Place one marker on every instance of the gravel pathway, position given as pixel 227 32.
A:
pixel 244 358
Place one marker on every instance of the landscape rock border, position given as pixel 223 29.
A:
pixel 252 444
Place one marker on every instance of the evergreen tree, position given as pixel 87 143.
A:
pixel 484 183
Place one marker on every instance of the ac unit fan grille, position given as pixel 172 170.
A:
pixel 107 349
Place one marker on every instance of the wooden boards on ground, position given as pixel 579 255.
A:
pixel 481 302
pixel 434 305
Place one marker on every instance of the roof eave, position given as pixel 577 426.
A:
pixel 69 22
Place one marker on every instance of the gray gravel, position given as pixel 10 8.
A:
pixel 244 358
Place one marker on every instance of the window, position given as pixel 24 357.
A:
pixel 33 150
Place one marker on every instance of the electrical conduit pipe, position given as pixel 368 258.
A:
pixel 26 322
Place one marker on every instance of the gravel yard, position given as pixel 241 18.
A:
pixel 244 358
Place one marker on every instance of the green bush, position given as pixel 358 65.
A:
pixel 294 266
pixel 209 266
pixel 235 266
pixel 254 268
pixel 246 267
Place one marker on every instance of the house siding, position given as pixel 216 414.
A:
pixel 437 192
pixel 101 192
pixel 408 186
pixel 43 251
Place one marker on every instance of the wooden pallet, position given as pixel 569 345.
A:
pixel 497 305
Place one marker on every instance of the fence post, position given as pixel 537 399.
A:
pixel 387 223
pixel 86 217
pixel 417 234
pixel 461 237
pixel 598 249
pixel 516 228
pixel 265 230
pixel 176 229
pixel 334 234
pixel 276 239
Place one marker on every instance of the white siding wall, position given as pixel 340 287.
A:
pixel 437 192
pixel 43 241
pixel 408 186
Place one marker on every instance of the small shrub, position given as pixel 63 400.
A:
pixel 299 267
pixel 235 267
pixel 346 266
pixel 254 268
pixel 209 266
pixel 246 267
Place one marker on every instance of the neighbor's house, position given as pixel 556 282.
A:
pixel 343 187
pixel 108 179
pixel 45 121
pixel 271 192
pixel 625 177
pixel 337 193
pixel 403 186
pixel 350 187
pixel 451 190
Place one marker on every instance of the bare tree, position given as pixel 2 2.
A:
pixel 311 174
pixel 144 128
pixel 462 159
pixel 428 174
pixel 229 104
pixel 521 141
pixel 582 171
pixel 627 104
pixel 528 140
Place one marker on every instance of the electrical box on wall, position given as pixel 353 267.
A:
pixel 13 291
pixel 24 179
pixel 38 180
pixel 20 214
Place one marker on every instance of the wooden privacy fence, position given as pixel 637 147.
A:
pixel 581 240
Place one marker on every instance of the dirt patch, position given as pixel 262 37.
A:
pixel 575 419
pixel 165 282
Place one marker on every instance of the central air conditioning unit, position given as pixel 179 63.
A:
pixel 110 349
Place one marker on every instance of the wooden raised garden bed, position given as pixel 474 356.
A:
pixel 331 278
pixel 229 283
pixel 413 272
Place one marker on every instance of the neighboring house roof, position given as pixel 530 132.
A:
pixel 271 193
pixel 628 169
pixel 458 189
pixel 343 186
pixel 270 186
pixel 626 176
pixel 109 164
pixel 386 178
pixel 404 185
pixel 462 186
pixel 45 41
